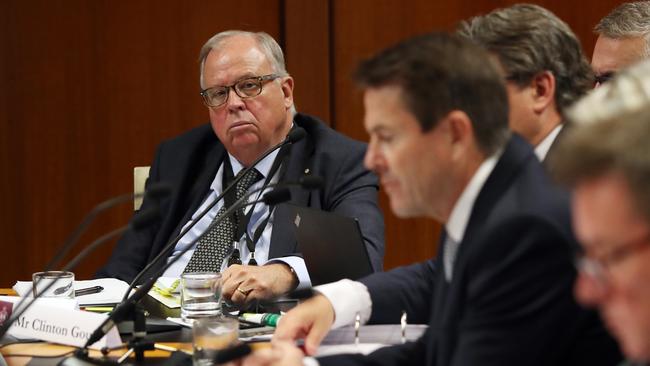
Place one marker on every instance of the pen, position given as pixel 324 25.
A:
pixel 97 309
pixel 267 319
pixel 88 291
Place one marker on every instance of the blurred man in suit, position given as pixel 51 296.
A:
pixel 500 290
pixel 607 160
pixel 249 96
pixel 623 39
pixel 543 65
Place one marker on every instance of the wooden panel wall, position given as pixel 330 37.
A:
pixel 88 88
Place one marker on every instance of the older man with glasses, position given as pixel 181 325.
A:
pixel 607 161
pixel 249 96
pixel 623 39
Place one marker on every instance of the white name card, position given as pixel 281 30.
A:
pixel 60 324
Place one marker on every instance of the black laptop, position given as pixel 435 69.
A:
pixel 331 245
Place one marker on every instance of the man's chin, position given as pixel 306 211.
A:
pixel 636 349
pixel 402 210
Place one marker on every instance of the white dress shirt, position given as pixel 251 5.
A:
pixel 261 212
pixel 543 147
pixel 349 298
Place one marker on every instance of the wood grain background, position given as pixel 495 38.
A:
pixel 88 88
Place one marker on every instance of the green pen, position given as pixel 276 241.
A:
pixel 268 319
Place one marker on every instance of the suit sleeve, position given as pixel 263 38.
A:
pixel 514 289
pixel 408 289
pixel 354 194
pixel 132 251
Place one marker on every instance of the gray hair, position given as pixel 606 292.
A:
pixel 610 134
pixel 267 44
pixel 528 39
pixel 627 20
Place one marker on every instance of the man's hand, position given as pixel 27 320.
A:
pixel 281 354
pixel 243 284
pixel 310 320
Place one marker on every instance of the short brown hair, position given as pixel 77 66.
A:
pixel 438 73
pixel 528 39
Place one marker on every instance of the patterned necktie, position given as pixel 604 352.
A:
pixel 449 256
pixel 216 242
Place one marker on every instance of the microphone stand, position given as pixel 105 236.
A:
pixel 143 219
pixel 129 308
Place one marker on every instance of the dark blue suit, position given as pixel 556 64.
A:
pixel 510 300
pixel 190 163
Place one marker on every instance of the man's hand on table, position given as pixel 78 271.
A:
pixel 310 320
pixel 242 284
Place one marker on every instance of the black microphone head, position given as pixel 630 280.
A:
pixel 232 353
pixel 311 182
pixel 145 217
pixel 277 196
pixel 156 191
pixel 296 134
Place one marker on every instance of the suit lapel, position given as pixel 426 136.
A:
pixel 282 237
pixel 200 177
pixel 516 153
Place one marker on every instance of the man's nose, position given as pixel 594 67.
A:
pixel 373 160
pixel 589 291
pixel 234 102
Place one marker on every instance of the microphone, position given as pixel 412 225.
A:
pixel 294 135
pixel 276 196
pixel 232 353
pixel 125 308
pixel 141 220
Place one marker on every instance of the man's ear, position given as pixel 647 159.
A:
pixel 543 87
pixel 460 126
pixel 287 90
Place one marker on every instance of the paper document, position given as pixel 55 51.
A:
pixel 112 293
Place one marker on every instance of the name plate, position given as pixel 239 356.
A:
pixel 52 321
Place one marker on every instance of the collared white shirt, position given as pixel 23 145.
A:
pixel 349 298
pixel 260 212
pixel 543 147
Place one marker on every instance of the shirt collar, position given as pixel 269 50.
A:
pixel 543 147
pixel 459 217
pixel 264 166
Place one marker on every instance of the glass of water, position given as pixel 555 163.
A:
pixel 53 284
pixel 211 335
pixel 200 295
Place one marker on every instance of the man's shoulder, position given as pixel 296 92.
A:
pixel 325 138
pixel 530 196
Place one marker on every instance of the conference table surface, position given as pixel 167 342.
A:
pixel 339 340
pixel 46 353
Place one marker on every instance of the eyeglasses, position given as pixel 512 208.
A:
pixel 598 268
pixel 244 88
pixel 603 78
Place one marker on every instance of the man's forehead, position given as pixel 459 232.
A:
pixel 612 54
pixel 604 211
pixel 236 55
pixel 383 105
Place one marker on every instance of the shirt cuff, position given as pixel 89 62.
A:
pixel 352 298
pixel 297 264
pixel 310 361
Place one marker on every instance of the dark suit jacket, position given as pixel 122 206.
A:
pixel 190 163
pixel 510 300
